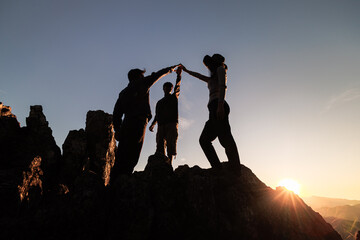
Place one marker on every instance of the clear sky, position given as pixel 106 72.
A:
pixel 293 78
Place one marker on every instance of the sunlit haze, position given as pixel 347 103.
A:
pixel 293 79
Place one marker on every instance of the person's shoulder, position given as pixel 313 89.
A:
pixel 221 69
pixel 161 100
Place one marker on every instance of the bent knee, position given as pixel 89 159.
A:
pixel 204 141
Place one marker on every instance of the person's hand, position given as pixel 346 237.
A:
pixel 184 68
pixel 175 66
pixel 151 128
pixel 220 112
pixel 179 70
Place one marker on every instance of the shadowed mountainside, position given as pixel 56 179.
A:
pixel 344 219
pixel 157 203
pixel 342 214
pixel 346 228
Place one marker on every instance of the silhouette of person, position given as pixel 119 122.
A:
pixel 133 104
pixel 218 123
pixel 167 119
pixel 358 235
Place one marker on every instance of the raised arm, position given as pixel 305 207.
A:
pixel 197 75
pixel 178 82
pixel 155 76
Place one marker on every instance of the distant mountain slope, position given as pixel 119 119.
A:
pixel 342 212
pixel 319 202
pixel 346 228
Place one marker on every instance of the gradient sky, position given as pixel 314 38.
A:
pixel 293 79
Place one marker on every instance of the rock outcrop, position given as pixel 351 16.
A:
pixel 157 203
pixel 188 203
pixel 40 142
pixel 75 157
pixel 90 149
pixel 101 143
pixel 19 148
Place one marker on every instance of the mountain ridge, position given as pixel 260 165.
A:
pixel 317 202
pixel 68 196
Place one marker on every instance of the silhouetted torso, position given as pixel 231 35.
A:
pixel 167 110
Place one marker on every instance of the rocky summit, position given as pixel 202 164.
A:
pixel 46 195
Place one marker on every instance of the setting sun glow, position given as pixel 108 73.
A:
pixel 290 185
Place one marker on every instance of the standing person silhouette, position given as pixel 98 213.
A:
pixel 133 104
pixel 218 123
pixel 167 116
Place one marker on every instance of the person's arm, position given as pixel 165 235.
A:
pixel 117 118
pixel 155 76
pixel 221 73
pixel 151 128
pixel 197 75
pixel 178 82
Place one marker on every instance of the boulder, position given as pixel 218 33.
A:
pixel 101 143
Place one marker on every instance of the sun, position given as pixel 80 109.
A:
pixel 290 185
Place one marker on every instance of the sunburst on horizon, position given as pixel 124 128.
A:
pixel 290 185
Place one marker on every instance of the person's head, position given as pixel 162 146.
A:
pixel 135 74
pixel 212 63
pixel 167 87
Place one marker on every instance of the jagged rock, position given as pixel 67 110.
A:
pixel 194 203
pixel 31 190
pixel 5 111
pixel 190 203
pixel 158 167
pixel 18 148
pixel 40 142
pixel 101 143
pixel 75 156
pixel 158 203
pixel 37 120
pixel 9 132
pixel 8 122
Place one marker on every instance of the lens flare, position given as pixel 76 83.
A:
pixel 290 185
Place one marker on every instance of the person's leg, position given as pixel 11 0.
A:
pixel 226 139
pixel 160 141
pixel 139 135
pixel 171 139
pixel 129 147
pixel 207 136
pixel 122 152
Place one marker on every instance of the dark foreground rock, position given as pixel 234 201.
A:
pixel 189 203
pixel 22 151
pixel 157 203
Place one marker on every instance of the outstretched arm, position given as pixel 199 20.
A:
pixel 155 76
pixel 178 82
pixel 197 75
